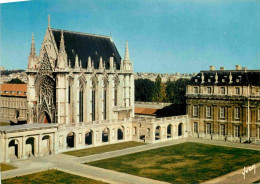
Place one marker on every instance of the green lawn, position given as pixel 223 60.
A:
pixel 102 149
pixel 182 163
pixel 51 176
pixel 4 124
pixel 5 167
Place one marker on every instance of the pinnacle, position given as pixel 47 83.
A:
pixel 33 46
pixel 127 57
pixel 62 45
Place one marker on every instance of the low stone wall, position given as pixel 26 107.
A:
pixel 155 105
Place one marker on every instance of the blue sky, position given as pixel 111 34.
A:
pixel 165 36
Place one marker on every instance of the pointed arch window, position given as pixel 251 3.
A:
pixel 93 100
pixel 105 99
pixel 81 96
pixel 116 81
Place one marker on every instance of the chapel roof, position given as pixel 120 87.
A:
pixel 85 45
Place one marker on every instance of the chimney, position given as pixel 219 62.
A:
pixel 244 68
pixel 238 67
pixel 222 68
pixel 211 68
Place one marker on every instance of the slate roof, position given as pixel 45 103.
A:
pixel 13 90
pixel 239 77
pixel 85 45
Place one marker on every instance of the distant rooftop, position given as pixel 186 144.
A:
pixel 13 90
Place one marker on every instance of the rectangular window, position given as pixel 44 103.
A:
pixel 237 113
pixel 237 89
pixel 195 127
pixel 258 114
pixel 195 110
pixel 208 111
pixel 209 90
pixel 236 131
pixel 195 90
pixel 222 130
pixel 222 112
pixel 208 128
pixel 222 90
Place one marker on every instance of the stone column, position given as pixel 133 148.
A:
pixel 127 90
pixel 6 150
pixel 161 132
pixel 94 137
pixel 23 148
pixel 132 96
pixel 120 91
pixel 40 145
pixel 36 146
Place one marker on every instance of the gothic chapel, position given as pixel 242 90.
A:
pixel 78 78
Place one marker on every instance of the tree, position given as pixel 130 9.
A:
pixel 158 89
pixel 144 90
pixel 15 81
pixel 175 91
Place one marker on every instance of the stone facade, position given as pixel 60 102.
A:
pixel 218 101
pixel 78 78
pixel 13 102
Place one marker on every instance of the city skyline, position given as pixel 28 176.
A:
pixel 163 36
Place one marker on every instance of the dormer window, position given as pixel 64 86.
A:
pixel 223 80
pixel 196 80
pixel 209 80
pixel 237 80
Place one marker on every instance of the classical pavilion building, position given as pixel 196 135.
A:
pixel 225 104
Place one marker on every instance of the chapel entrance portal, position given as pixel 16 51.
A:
pixel 44 118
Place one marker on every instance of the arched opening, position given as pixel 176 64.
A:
pixel 46 145
pixel 89 138
pixel 44 118
pixel 30 147
pixel 120 133
pixel 169 131
pixel 105 135
pixel 71 140
pixel 180 129
pixel 17 114
pixel 157 133
pixel 13 148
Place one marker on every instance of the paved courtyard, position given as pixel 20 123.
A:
pixel 74 165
